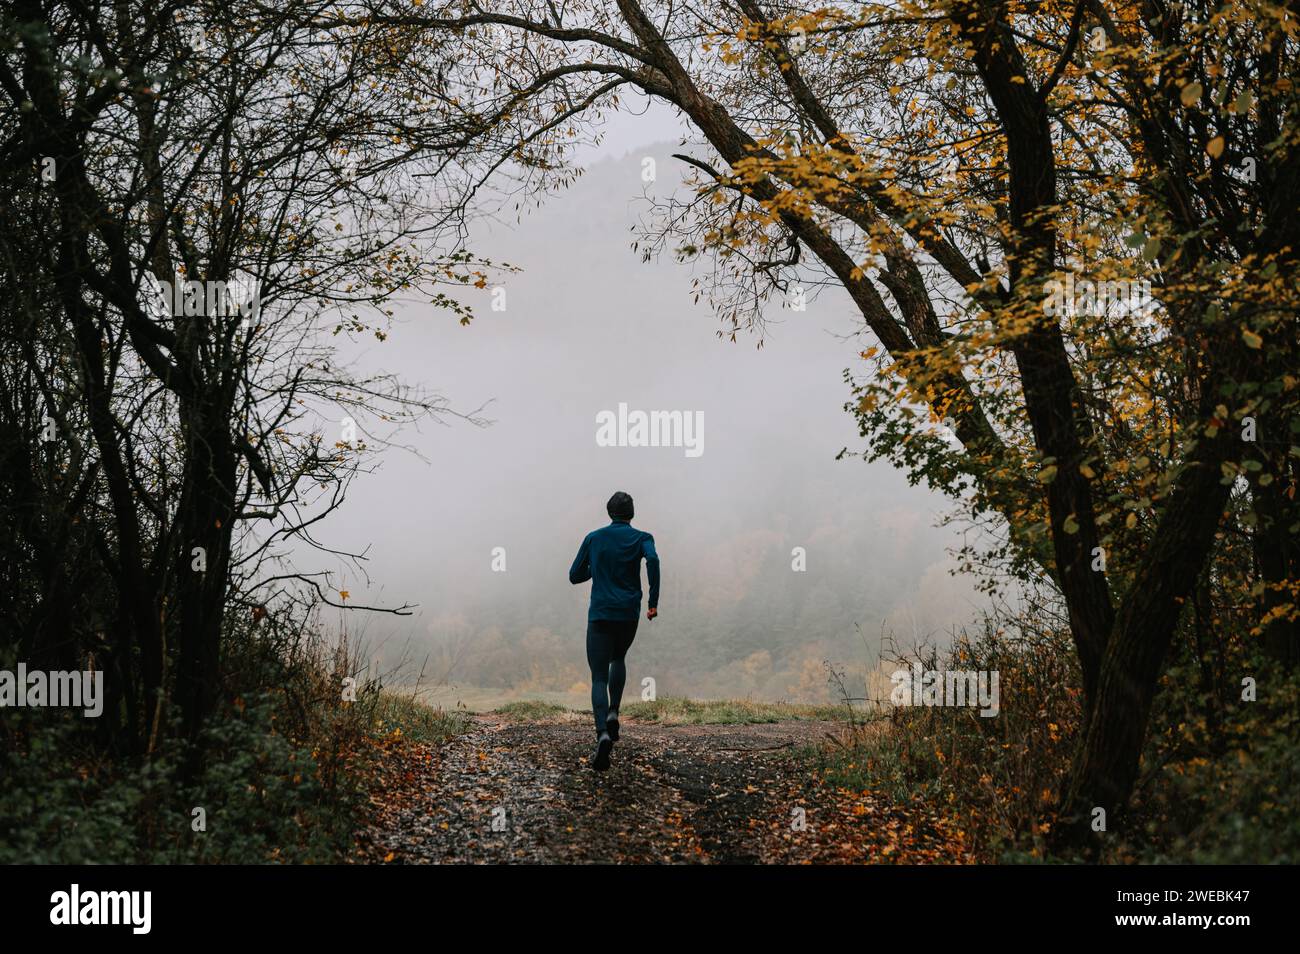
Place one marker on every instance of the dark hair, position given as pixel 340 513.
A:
pixel 620 507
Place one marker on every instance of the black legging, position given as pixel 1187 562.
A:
pixel 607 643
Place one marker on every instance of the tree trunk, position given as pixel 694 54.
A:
pixel 207 509
pixel 1277 556
pixel 1107 763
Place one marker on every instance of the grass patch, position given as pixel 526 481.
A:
pixel 530 710
pixel 996 778
pixel 1217 783
pixel 398 711
pixel 672 710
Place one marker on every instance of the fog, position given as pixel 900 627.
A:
pixel 588 326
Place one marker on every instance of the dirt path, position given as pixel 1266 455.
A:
pixel 523 792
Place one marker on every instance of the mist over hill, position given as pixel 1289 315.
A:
pixel 587 325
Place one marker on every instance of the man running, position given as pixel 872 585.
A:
pixel 611 558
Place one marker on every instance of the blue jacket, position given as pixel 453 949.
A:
pixel 611 558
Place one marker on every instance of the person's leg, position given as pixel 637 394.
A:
pixel 598 657
pixel 622 641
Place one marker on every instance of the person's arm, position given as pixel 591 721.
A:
pixel 580 572
pixel 652 574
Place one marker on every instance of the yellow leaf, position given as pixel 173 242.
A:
pixel 1215 147
pixel 1190 94
pixel 1252 340
pixel 1131 521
